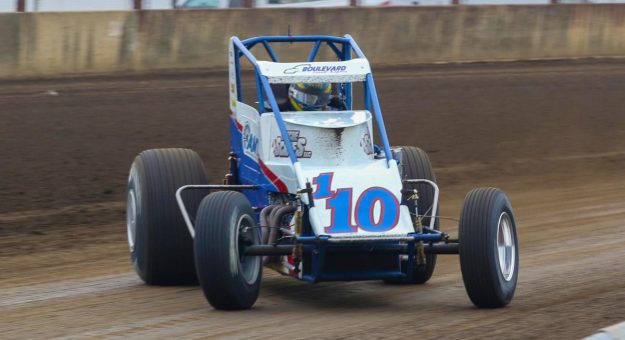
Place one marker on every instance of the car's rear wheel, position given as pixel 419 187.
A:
pixel 161 247
pixel 414 163
pixel 489 250
pixel 225 224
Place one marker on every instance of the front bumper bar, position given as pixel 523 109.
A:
pixel 400 249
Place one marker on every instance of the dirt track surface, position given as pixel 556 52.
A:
pixel 552 135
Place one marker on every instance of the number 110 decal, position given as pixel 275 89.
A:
pixel 340 202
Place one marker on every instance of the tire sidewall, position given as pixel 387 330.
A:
pixel 506 288
pixel 163 247
pixel 139 252
pixel 239 214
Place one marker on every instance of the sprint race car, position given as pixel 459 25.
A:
pixel 309 194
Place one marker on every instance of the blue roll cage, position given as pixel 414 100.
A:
pixel 342 47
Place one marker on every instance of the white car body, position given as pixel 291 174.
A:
pixel 336 145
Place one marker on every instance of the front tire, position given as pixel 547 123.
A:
pixel 489 250
pixel 161 248
pixel 225 224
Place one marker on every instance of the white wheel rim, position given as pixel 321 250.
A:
pixel 249 265
pixel 506 247
pixel 131 218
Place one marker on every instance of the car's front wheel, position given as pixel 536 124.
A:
pixel 225 224
pixel 489 249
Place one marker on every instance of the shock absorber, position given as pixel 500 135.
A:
pixel 418 228
pixel 297 247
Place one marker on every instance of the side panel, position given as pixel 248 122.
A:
pixel 245 134
pixel 274 155
pixel 248 119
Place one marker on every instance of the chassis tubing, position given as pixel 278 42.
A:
pixel 287 249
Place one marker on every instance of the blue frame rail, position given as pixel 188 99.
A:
pixel 347 46
pixel 320 244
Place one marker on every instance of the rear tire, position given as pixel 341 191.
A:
pixel 161 248
pixel 415 164
pixel 489 250
pixel 225 224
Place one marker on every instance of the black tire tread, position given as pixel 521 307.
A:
pixel 419 166
pixel 477 249
pixel 222 288
pixel 169 253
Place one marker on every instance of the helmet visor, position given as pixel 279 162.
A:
pixel 310 99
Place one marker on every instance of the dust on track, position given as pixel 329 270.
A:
pixel 551 134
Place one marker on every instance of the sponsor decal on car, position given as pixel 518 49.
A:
pixel 366 144
pixel 250 142
pixel 308 68
pixel 299 145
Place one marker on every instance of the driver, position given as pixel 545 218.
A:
pixel 309 96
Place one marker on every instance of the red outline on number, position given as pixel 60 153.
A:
pixel 349 212
pixel 329 185
pixel 382 208
pixel 382 211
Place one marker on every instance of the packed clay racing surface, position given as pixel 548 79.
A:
pixel 550 134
